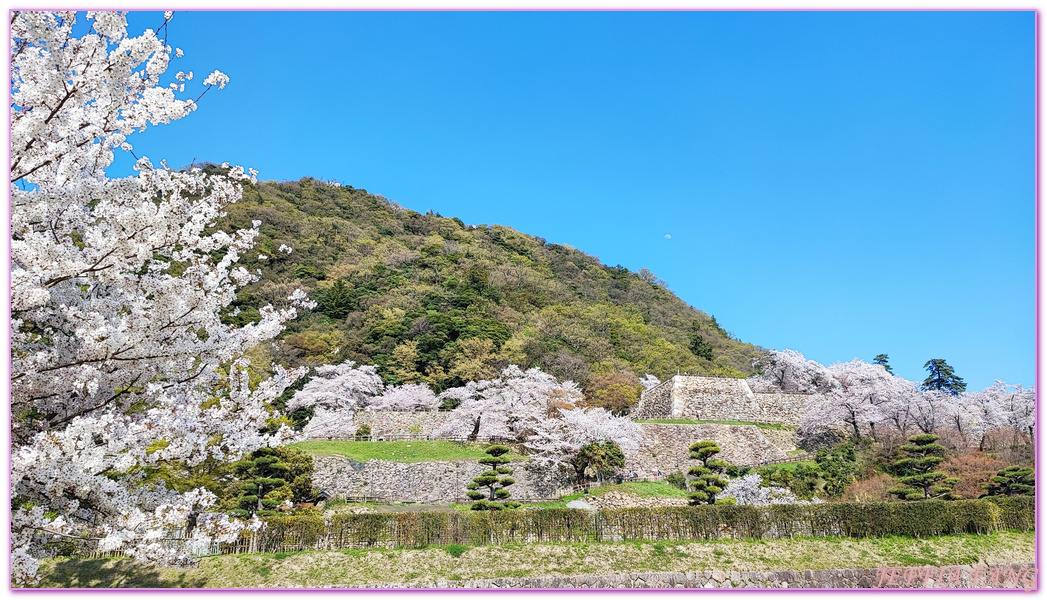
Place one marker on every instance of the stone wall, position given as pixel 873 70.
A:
pixel 714 398
pixel 782 408
pixel 665 450
pixel 1017 576
pixel 656 403
pixel 665 447
pixel 426 482
pixel 389 422
pixel 717 399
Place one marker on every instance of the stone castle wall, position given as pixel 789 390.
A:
pixel 426 482
pixel 390 422
pixel 666 448
pixel 717 399
pixel 656 403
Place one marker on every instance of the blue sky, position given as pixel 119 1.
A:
pixel 839 183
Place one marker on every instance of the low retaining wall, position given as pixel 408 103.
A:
pixel 425 482
pixel 1016 576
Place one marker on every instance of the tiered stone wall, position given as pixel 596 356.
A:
pixel 782 408
pixel 717 399
pixel 389 422
pixel 665 448
pixel 426 482
pixel 714 398
pixel 656 403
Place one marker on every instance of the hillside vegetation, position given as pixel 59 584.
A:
pixel 430 299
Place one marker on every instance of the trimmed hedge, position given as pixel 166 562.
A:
pixel 1016 512
pixel 476 528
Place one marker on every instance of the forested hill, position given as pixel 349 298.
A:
pixel 431 299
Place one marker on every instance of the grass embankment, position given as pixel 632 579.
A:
pixel 357 567
pixel 704 422
pixel 414 451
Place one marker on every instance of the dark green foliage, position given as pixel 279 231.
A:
pixel 336 301
pixel 839 468
pixel 269 476
pixel 804 481
pixel 496 479
pixel 383 276
pixel 881 359
pixel 916 472
pixel 363 432
pixel 705 479
pixel 942 377
pixel 598 460
pixel 1012 481
pixel 677 480
pixel 416 530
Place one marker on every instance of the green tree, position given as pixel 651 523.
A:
pixel 495 480
pixel 881 359
pixel 599 460
pixel 942 377
pixel 916 472
pixel 269 476
pixel 839 468
pixel 336 301
pixel 1012 481
pixel 705 479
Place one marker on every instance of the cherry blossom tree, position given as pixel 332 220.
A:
pixel 748 490
pixel 119 359
pixel 335 394
pixel 508 407
pixel 557 441
pixel 788 371
pixel 339 387
pixel 649 381
pixel 412 396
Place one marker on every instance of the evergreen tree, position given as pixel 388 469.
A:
pixel 336 301
pixel 598 459
pixel 269 476
pixel 942 377
pixel 916 474
pixel 1012 481
pixel 705 479
pixel 881 359
pixel 494 479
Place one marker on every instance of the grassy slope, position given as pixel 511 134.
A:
pixel 419 451
pixel 355 567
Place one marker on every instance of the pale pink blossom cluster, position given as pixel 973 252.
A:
pixel 508 407
pixel 119 359
pixel 859 399
pixel 556 441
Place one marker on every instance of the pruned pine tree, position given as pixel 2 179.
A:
pixel 496 480
pixel 916 473
pixel 705 479
pixel 1012 481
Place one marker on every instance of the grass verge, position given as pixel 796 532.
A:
pixel 357 567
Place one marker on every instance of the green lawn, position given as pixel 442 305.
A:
pixel 415 451
pixel 699 422
pixel 644 489
pixel 362 566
